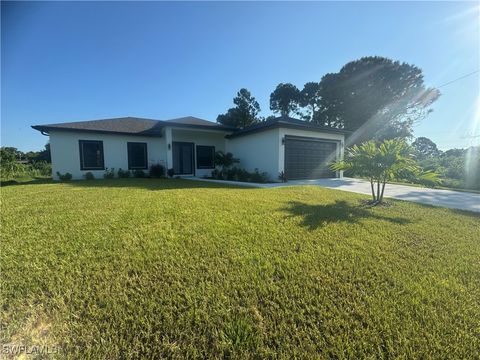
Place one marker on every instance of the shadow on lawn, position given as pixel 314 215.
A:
pixel 315 216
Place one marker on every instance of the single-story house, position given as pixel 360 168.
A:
pixel 300 149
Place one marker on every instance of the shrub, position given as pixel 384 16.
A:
pixel 225 160
pixel 123 173
pixel 89 176
pixel 170 172
pixel 40 168
pixel 236 174
pixel 139 174
pixel 216 174
pixel 282 176
pixel 239 174
pixel 64 177
pixel 259 177
pixel 109 173
pixel 14 170
pixel 157 170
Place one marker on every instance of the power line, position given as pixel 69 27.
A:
pixel 459 78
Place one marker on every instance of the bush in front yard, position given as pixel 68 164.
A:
pixel 123 173
pixel 89 176
pixel 239 174
pixel 109 173
pixel 64 177
pixel 157 171
pixel 139 174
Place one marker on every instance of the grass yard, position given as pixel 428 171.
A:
pixel 144 268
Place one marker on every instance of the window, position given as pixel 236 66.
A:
pixel 137 156
pixel 205 157
pixel 91 155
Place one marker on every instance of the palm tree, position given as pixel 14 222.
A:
pixel 225 161
pixel 381 163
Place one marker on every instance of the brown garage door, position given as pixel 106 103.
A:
pixel 308 158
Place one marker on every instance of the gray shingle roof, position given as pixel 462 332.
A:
pixel 150 127
pixel 191 120
pixel 286 122
pixel 132 125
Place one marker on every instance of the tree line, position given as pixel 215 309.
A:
pixel 373 97
pixel 457 168
pixel 16 164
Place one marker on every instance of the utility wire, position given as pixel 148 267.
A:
pixel 459 78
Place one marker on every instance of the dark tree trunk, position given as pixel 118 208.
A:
pixel 373 189
pixel 383 189
pixel 378 190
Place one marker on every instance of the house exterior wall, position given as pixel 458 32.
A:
pixel 257 151
pixel 64 147
pixel 199 137
pixel 264 150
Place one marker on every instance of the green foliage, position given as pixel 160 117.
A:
pixel 383 162
pixel 89 176
pixel 179 269
pixel 9 155
pixel 109 173
pixel 310 98
pixel 375 97
pixel 457 168
pixel 12 154
pixel 139 174
pixel 225 160
pixel 124 173
pixel 64 177
pixel 259 177
pixel 282 177
pixel 15 164
pixel 157 171
pixel 244 114
pixel 170 172
pixel 239 174
pixel 425 148
pixel 285 99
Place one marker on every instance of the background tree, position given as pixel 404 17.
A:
pixel 376 98
pixel 244 113
pixel 310 98
pixel 44 155
pixel 9 154
pixel 381 163
pixel 425 148
pixel 285 99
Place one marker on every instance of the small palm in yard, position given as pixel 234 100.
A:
pixel 381 163
pixel 225 161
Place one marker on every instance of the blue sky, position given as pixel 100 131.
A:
pixel 66 61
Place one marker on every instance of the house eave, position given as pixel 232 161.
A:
pixel 47 129
pixel 279 125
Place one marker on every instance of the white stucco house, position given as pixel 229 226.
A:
pixel 301 149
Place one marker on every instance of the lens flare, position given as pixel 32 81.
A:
pixel 472 156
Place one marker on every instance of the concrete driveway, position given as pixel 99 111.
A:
pixel 437 197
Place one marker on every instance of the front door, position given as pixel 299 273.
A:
pixel 183 158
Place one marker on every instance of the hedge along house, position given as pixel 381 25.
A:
pixel 188 145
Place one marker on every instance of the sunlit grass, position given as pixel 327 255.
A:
pixel 143 268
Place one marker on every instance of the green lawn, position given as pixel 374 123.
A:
pixel 181 269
